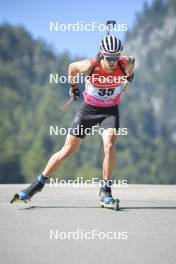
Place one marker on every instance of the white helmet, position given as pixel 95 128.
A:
pixel 111 44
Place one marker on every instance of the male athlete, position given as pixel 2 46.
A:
pixel 101 99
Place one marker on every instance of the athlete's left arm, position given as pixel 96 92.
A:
pixel 129 68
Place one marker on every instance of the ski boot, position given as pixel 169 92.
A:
pixel 26 194
pixel 106 199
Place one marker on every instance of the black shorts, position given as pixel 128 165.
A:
pixel 89 116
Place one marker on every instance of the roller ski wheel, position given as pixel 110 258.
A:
pixel 106 199
pixel 17 198
pixel 113 204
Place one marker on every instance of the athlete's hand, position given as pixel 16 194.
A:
pixel 129 68
pixel 74 92
pixel 130 78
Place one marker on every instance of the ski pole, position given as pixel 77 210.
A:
pixel 63 107
pixel 60 110
pixel 123 90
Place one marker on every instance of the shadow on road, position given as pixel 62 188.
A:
pixel 147 207
pixel 58 207
pixel 97 207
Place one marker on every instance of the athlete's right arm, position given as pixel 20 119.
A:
pixel 77 67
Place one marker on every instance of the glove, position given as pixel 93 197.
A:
pixel 74 92
pixel 130 78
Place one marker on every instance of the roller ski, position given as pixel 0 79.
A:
pixel 26 194
pixel 106 199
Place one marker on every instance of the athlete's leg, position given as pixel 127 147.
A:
pixel 109 142
pixel 72 144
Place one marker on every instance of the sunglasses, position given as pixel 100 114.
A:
pixel 112 58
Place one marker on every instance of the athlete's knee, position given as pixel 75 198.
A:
pixel 109 148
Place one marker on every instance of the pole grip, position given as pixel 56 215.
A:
pixel 110 24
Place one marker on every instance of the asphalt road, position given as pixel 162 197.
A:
pixel 66 225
